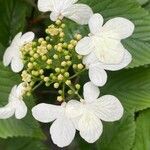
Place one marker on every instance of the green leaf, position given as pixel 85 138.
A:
pixel 131 87
pixel 138 44
pixel 142 2
pixel 142 137
pixel 118 135
pixel 1 51
pixel 13 19
pixel 12 127
pixel 22 144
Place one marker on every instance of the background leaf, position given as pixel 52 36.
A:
pixel 13 15
pixel 13 127
pixel 142 138
pixel 131 87
pixel 22 144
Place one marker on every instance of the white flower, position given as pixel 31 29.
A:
pixel 105 41
pixel 80 13
pixel 97 73
pixel 62 129
pixel 16 105
pixel 93 110
pixel 13 54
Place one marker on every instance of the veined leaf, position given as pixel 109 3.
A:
pixel 22 144
pixel 138 44
pixel 12 127
pixel 13 19
pixel 118 135
pixel 132 87
pixel 142 137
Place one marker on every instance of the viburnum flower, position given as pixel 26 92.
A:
pixel 105 41
pixel 93 110
pixel 13 55
pixel 16 105
pixel 80 13
pixel 62 129
pixel 97 73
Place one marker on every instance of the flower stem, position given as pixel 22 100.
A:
pixel 75 75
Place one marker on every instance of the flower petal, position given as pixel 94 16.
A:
pixel 45 5
pixel 95 23
pixel 62 132
pixel 73 109
pixel 97 75
pixel 84 46
pixel 90 127
pixel 119 26
pixel 125 62
pixel 7 111
pixel 108 51
pixel 27 37
pixel 80 13
pixel 108 108
pixel 46 112
pixel 90 59
pixel 90 92
pixel 16 40
pixel 20 109
pixel 17 64
pixel 8 56
pixel 54 16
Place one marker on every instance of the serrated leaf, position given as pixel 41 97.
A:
pixel 13 127
pixel 118 135
pixel 131 87
pixel 138 44
pixel 142 137
pixel 22 144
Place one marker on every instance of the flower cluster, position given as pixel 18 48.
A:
pixel 55 61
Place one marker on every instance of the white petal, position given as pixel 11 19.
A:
pixel 90 59
pixel 90 92
pixel 27 37
pixel 17 64
pixel 13 93
pixel 16 40
pixel 7 111
pixel 108 108
pixel 90 127
pixel 54 16
pixel 125 62
pixel 84 46
pixel 20 89
pixel 46 112
pixel 108 51
pixel 95 23
pixel 62 132
pixel 80 13
pixel 8 56
pixel 73 109
pixel 67 3
pixel 97 75
pixel 45 5
pixel 119 26
pixel 20 109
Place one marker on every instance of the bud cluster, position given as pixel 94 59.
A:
pixel 53 61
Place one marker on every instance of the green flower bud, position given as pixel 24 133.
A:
pixel 56 85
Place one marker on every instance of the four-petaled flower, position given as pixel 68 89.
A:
pixel 13 55
pixel 105 41
pixel 16 105
pixel 62 130
pixel 92 110
pixel 80 13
